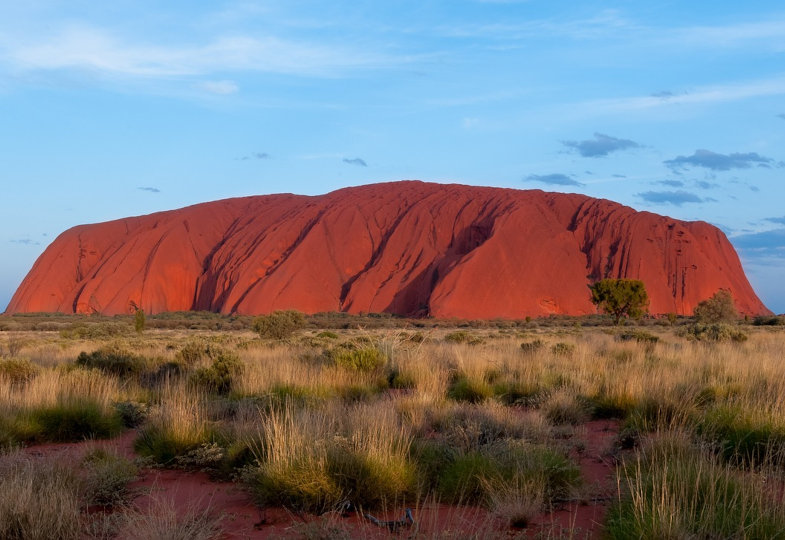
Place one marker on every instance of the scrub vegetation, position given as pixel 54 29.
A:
pixel 330 413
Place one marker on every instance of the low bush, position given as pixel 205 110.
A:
pixel 113 360
pixel 75 420
pixel 562 349
pixel 357 358
pixel 532 347
pixel 18 370
pixel 715 332
pixel 278 324
pixel 564 407
pixel 472 477
pixel 640 336
pixel 106 477
pixel 463 388
pixel 220 376
pixel 132 413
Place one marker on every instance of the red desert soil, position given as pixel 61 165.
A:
pixel 195 492
pixel 409 248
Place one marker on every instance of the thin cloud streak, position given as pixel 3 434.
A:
pixel 82 47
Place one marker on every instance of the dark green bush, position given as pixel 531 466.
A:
pixel 463 388
pixel 132 413
pixel 219 377
pixel 76 421
pixel 715 332
pixel 113 360
pixel 641 336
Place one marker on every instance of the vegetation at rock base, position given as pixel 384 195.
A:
pixel 620 297
pixel 489 417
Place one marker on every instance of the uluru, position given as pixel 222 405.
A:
pixel 409 248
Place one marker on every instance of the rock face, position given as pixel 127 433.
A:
pixel 410 248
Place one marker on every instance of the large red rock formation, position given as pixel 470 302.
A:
pixel 410 248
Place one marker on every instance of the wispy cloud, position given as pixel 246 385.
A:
pixel 707 94
pixel 676 198
pixel 150 189
pixel 355 161
pixel 600 145
pixel 91 49
pixel 718 162
pixel 671 183
pixel 781 116
pixel 255 155
pixel 780 220
pixel 557 179
pixel 25 242
pixel 703 184
pixel 219 87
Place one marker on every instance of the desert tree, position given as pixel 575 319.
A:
pixel 620 297
pixel 717 309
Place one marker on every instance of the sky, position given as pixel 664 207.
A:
pixel 114 109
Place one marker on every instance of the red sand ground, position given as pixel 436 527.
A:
pixel 410 248
pixel 194 491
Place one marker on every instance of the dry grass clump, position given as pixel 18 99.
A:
pixel 178 423
pixel 314 460
pixel 161 520
pixel 39 499
pixel 674 489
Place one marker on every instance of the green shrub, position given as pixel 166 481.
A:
pixel 641 336
pixel 741 439
pixel 75 421
pixel 459 336
pixel 278 324
pixel 196 350
pixel 219 377
pixel 164 446
pixel 764 320
pixel 469 477
pixel 357 359
pixel 717 309
pixel 472 390
pixel 715 332
pixel 113 360
pixel 370 481
pixel 326 334
pixel 106 477
pixel 462 480
pixel 132 413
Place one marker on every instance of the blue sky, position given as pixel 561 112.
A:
pixel 112 109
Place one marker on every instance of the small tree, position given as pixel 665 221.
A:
pixel 717 309
pixel 139 321
pixel 620 297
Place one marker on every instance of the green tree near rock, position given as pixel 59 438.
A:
pixel 620 298
pixel 717 309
